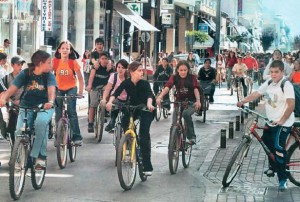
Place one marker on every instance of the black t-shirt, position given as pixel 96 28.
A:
pixel 137 94
pixel 208 75
pixel 162 74
pixel 101 77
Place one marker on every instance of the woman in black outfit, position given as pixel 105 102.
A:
pixel 138 92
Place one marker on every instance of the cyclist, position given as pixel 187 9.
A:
pixel 39 88
pixel 230 62
pixel 95 55
pixel 240 70
pixel 113 83
pixel 138 92
pixel 187 87
pixel 160 77
pixel 279 106
pixel 207 78
pixel 98 79
pixel 67 72
pixel 251 64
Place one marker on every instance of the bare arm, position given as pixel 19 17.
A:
pixel 249 98
pixel 7 94
pixel 80 79
pixel 106 92
pixel 91 79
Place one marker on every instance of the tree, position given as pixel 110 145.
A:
pixel 266 39
pixel 198 36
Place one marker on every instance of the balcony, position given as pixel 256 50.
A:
pixel 205 9
pixel 186 4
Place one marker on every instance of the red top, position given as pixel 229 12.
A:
pixel 184 92
pixel 231 62
pixel 250 62
pixel 296 77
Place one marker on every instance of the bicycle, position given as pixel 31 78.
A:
pixel 129 155
pixel 236 161
pixel 118 130
pixel 99 119
pixel 64 135
pixel 20 161
pixel 163 109
pixel 177 140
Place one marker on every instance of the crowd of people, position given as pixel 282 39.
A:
pixel 48 77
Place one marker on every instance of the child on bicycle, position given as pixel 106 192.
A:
pixel 98 79
pixel 39 88
pixel 138 92
pixel 111 87
pixel 280 104
pixel 67 71
pixel 187 87
pixel 207 78
pixel 240 70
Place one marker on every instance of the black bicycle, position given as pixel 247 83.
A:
pixel 20 161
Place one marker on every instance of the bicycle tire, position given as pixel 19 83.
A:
pixel 158 113
pixel 118 134
pixel 173 149
pixel 100 123
pixel 293 158
pixel 186 152
pixel 124 163
pixel 72 147
pixel 240 95
pixel 165 113
pixel 234 166
pixel 16 187
pixel 61 144
pixel 37 176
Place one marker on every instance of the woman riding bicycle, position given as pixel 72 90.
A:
pixel 187 87
pixel 138 92
pixel 67 72
pixel 39 88
pixel 280 104
pixel 240 70
pixel 114 82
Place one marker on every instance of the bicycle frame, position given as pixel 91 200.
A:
pixel 131 131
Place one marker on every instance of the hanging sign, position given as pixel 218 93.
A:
pixel 47 15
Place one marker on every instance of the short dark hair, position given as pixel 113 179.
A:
pixel 207 59
pixel 104 53
pixel 166 59
pixel 99 40
pixel 3 56
pixel 277 63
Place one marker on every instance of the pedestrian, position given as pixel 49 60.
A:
pixel 279 108
pixel 6 44
pixel 138 92
pixel 68 73
pixel 277 55
pixel 39 88
pixel 174 64
pixel 3 65
pixel 231 61
pixel 207 78
pixel 98 79
pixel 170 57
pixel 86 59
pixel 113 83
pixel 187 87
pixel 220 64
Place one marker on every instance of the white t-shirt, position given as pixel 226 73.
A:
pixel 240 69
pixel 3 72
pixel 123 95
pixel 276 100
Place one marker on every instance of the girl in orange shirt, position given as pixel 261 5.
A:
pixel 67 71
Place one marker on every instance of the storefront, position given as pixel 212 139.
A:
pixel 5 16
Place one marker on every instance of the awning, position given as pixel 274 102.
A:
pixel 207 44
pixel 212 27
pixel 133 18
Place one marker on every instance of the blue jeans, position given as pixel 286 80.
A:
pixel 72 114
pixel 41 122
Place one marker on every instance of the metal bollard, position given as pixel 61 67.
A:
pixel 237 123
pixel 242 117
pixel 223 138
pixel 230 130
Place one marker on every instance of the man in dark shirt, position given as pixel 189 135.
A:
pixel 97 81
pixel 95 55
pixel 207 77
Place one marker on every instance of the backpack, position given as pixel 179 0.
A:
pixel 114 83
pixel 70 63
pixel 297 95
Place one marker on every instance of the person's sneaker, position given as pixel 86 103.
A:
pixel 282 185
pixel 108 128
pixel 40 163
pixel 191 141
pixel 269 173
pixel 91 128
pixel 147 173
pixel 77 142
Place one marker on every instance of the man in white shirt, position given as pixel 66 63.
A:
pixel 3 65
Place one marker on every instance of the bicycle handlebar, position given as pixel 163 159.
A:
pixel 246 109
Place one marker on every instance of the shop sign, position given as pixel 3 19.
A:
pixel 136 7
pixel 203 27
pixel 47 15
pixel 167 19
pixel 167 4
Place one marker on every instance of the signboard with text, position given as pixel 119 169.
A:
pixel 167 4
pixel 203 27
pixel 136 7
pixel 47 15
pixel 167 19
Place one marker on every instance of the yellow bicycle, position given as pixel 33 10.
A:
pixel 129 156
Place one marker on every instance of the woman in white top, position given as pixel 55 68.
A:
pixel 220 64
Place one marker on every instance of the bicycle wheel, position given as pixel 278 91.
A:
pixel 17 168
pixel 72 147
pixel 158 113
pixel 37 176
pixel 165 113
pixel 293 164
pixel 240 93
pixel 235 162
pixel 118 134
pixel 186 153
pixel 61 144
pixel 99 123
pixel 126 166
pixel 173 152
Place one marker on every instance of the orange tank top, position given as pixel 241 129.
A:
pixel 296 77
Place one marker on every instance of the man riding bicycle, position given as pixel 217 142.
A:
pixel 240 71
